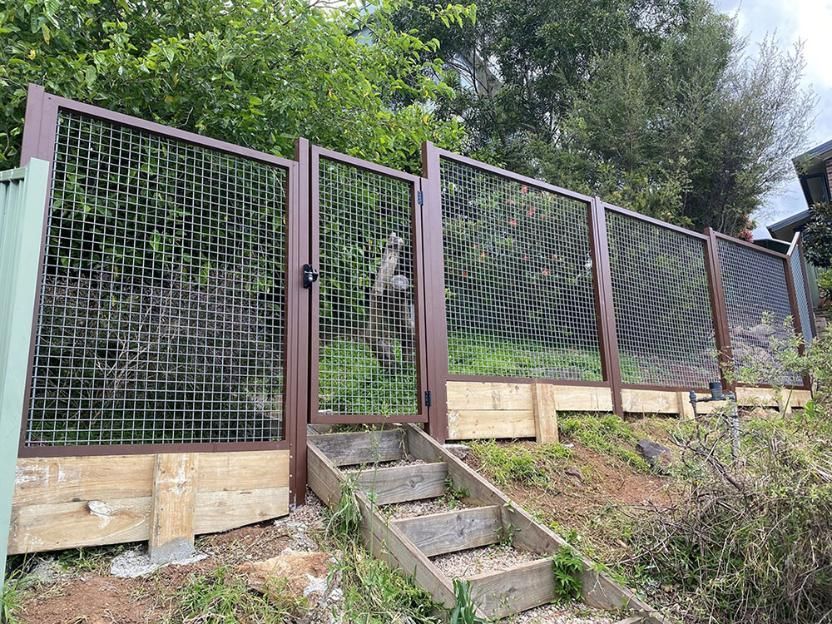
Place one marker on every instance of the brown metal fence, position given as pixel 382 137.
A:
pixel 179 304
pixel 662 303
pixel 759 309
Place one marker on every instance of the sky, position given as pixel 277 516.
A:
pixel 792 21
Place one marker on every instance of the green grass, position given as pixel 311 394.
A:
pixel 609 435
pixel 11 601
pixel 220 597
pixel 518 463
pixel 353 382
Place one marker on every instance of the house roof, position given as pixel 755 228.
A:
pixel 813 159
pixel 792 221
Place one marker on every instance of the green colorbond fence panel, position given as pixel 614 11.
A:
pixel 22 199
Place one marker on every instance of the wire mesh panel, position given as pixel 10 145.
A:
pixel 162 304
pixel 759 313
pixel 518 278
pixel 796 261
pixel 367 362
pixel 662 305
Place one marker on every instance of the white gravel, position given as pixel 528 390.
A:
pixel 480 560
pixel 577 613
pixel 414 509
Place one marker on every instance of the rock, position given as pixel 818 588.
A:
pixel 304 573
pixel 460 450
pixel 574 472
pixel 655 454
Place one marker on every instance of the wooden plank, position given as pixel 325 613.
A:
pixel 56 526
pixel 477 425
pixel 485 396
pixel 400 484
pixel 221 511
pixel 583 398
pixel 637 401
pixel 384 539
pixel 545 413
pixel 504 593
pixel 52 480
pixel 172 512
pixel 768 397
pixel 245 470
pixel 451 531
pixel 685 408
pixel 346 449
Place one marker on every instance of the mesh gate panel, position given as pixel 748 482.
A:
pixel 662 305
pixel 367 359
pixel 803 304
pixel 759 312
pixel 518 278
pixel 162 306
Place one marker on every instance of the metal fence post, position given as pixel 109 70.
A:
pixel 22 199
pixel 297 326
pixel 797 323
pixel 719 309
pixel 604 306
pixel 434 276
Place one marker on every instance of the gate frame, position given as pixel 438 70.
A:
pixel 417 203
pixel 39 135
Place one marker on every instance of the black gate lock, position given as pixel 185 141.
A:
pixel 310 276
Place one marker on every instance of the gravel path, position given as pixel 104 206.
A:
pixel 564 614
pixel 414 509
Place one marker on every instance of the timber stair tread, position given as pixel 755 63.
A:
pixel 403 465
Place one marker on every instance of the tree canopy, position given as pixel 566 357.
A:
pixel 251 72
pixel 654 104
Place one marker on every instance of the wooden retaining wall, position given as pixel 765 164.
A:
pixel 69 502
pixel 484 410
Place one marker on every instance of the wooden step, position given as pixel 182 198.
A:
pixel 400 484
pixel 452 531
pixel 523 587
pixel 361 447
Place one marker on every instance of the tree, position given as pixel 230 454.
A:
pixel 249 72
pixel 817 236
pixel 654 104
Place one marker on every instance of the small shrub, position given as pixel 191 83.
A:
pixel 345 521
pixel 567 568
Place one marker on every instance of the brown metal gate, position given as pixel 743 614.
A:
pixel 367 309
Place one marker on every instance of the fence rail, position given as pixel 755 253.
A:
pixel 178 306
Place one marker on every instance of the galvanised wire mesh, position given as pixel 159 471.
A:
pixel 518 278
pixel 161 313
pixel 796 261
pixel 367 359
pixel 759 313
pixel 662 305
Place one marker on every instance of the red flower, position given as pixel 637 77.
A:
pixel 546 272
pixel 531 212
pixel 512 222
pixel 465 274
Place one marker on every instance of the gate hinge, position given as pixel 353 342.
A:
pixel 420 198
pixel 428 398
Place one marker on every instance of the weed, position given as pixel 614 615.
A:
pixel 609 435
pixel 567 568
pixel 221 598
pixel 464 611
pixel 345 521
pixel 89 559
pixel 11 601
pixel 505 534
pixel 454 495
pixel 374 593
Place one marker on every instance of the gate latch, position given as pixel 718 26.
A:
pixel 310 276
